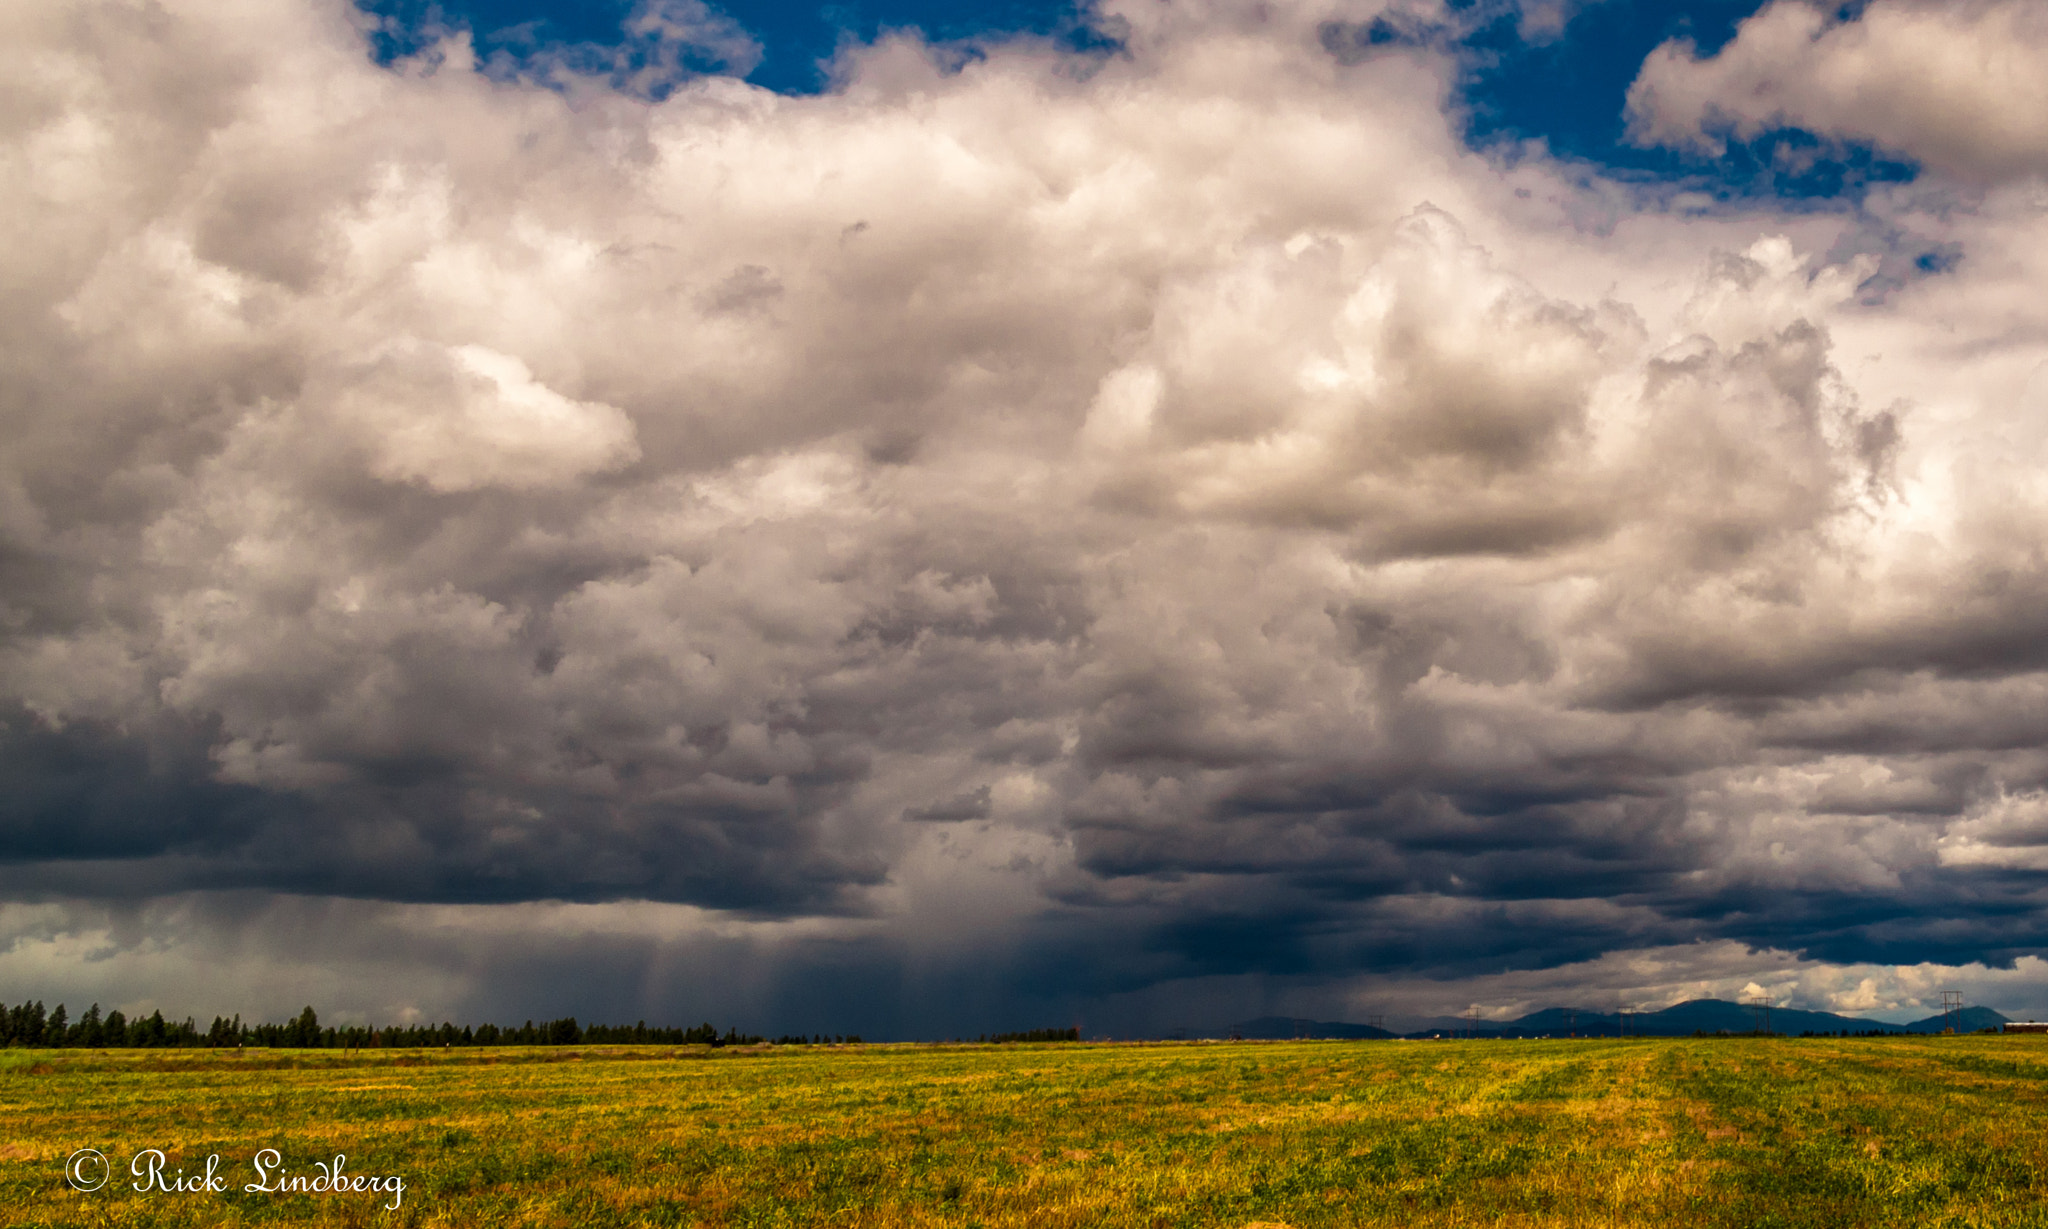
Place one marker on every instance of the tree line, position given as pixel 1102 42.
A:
pixel 30 1025
pixel 1040 1034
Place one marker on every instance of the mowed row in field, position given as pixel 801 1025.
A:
pixel 1731 1131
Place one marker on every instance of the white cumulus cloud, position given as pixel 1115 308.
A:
pixel 1962 87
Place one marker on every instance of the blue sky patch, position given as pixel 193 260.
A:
pixel 795 39
pixel 1571 92
pixel 1567 90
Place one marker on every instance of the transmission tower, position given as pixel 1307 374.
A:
pixel 1760 1007
pixel 1952 1009
pixel 1627 1016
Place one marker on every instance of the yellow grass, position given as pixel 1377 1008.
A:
pixel 1749 1132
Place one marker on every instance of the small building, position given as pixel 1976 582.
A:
pixel 2026 1026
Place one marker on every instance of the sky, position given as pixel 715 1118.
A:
pixel 925 519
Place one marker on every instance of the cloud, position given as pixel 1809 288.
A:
pixel 1544 21
pixel 1958 87
pixel 468 417
pixel 1124 529
pixel 660 45
pixel 267 957
pixel 1651 978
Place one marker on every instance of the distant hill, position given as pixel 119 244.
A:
pixel 1283 1028
pixel 1678 1020
pixel 1973 1019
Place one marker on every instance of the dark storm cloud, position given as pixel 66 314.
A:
pixel 88 792
pixel 1047 545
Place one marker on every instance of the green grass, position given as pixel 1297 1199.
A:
pixel 1736 1132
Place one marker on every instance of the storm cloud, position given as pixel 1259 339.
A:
pixel 1023 528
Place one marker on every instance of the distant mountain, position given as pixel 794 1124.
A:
pixel 1283 1028
pixel 1972 1019
pixel 1678 1020
pixel 1722 1016
pixel 1719 1015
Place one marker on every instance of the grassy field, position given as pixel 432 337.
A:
pixel 1738 1132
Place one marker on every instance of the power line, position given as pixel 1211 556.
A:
pixel 1760 1007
